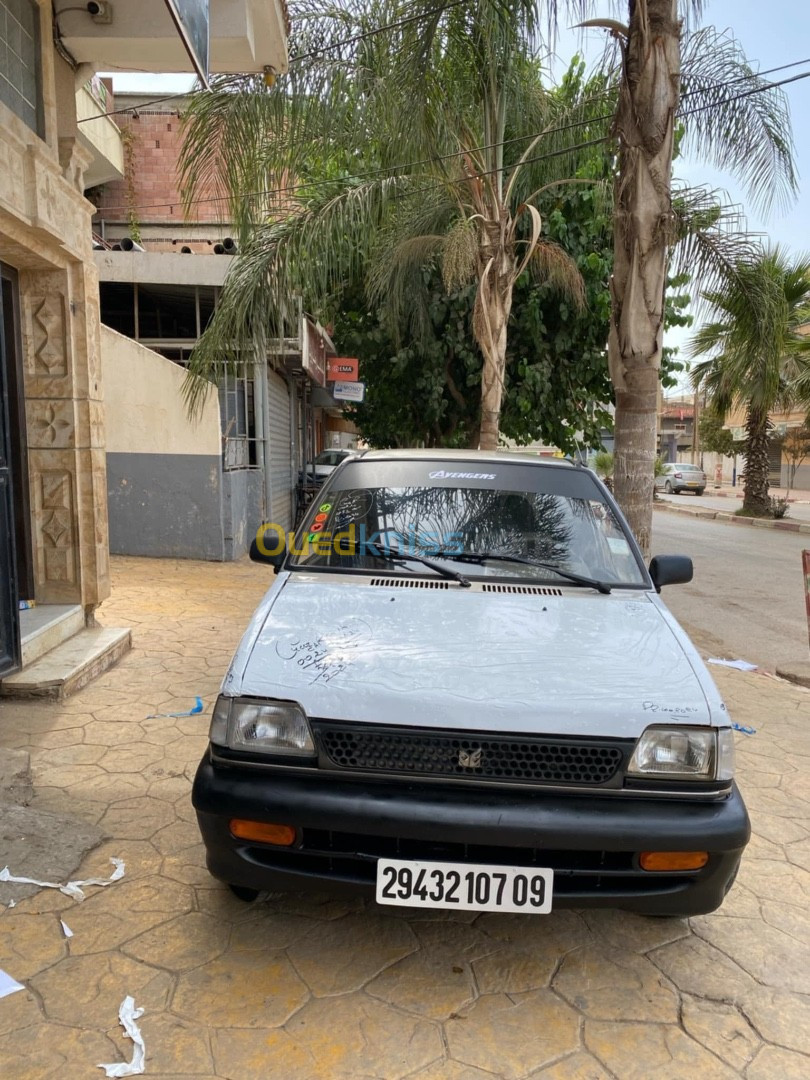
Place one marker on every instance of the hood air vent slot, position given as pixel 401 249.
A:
pixel 410 583
pixel 523 590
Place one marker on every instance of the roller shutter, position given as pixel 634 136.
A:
pixel 280 464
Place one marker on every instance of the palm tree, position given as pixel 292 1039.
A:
pixel 759 359
pixel 419 131
pixel 732 120
pixel 455 95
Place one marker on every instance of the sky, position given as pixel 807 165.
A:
pixel 770 34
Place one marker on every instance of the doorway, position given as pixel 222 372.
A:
pixel 16 564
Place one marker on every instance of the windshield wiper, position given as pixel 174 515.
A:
pixel 484 556
pixel 395 556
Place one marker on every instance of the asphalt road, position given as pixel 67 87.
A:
pixel 746 600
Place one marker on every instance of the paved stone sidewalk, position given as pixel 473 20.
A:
pixel 303 988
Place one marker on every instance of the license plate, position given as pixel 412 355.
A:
pixel 406 883
pixel 693 483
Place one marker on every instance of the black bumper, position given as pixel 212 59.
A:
pixel 344 826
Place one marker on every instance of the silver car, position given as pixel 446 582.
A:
pixel 678 477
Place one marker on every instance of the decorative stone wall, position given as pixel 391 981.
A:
pixel 65 421
pixel 45 234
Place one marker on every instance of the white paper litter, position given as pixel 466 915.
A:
pixel 66 929
pixel 740 665
pixel 70 888
pixel 128 1014
pixel 12 903
pixel 8 985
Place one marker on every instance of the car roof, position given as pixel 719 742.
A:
pixel 490 456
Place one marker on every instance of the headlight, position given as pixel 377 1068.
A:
pixel 684 753
pixel 263 727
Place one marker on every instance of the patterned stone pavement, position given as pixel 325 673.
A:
pixel 299 988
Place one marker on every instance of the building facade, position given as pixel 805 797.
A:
pixel 275 412
pixel 54 545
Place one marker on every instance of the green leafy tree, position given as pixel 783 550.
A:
pixel 758 357
pixel 716 438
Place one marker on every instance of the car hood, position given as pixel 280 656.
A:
pixel 570 662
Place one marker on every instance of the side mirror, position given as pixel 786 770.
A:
pixel 268 547
pixel 670 570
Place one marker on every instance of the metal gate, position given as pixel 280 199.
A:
pixel 9 616
pixel 280 450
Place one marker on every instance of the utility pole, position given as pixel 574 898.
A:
pixel 695 436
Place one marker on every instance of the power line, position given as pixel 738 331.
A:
pixel 307 56
pixel 391 171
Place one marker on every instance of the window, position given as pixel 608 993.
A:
pixel 238 427
pixel 19 61
pixel 167 311
pixel 117 302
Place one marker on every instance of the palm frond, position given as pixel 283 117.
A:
pixel 396 283
pixel 310 254
pixel 711 243
pixel 736 119
pixel 756 351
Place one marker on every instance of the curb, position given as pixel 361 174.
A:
pixel 733 495
pixel 723 515
pixel 798 675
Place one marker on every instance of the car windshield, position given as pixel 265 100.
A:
pixel 331 457
pixel 541 514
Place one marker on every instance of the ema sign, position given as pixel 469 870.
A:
pixel 342 369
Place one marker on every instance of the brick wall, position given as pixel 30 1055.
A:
pixel 156 138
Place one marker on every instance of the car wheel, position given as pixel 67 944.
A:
pixel 668 487
pixel 241 892
pixel 700 491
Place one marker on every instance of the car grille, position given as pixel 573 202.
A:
pixel 352 857
pixel 469 755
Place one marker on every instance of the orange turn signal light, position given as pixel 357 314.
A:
pixel 282 835
pixel 673 860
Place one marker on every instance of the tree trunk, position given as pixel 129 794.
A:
pixel 757 463
pixel 642 228
pixel 493 305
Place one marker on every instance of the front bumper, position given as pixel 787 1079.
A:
pixel 591 842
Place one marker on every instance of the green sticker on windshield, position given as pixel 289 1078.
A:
pixel 312 537
pixel 324 508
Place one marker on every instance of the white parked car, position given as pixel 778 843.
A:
pixel 463 690
pixel 327 461
pixel 678 477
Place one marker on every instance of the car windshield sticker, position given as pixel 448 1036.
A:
pixel 442 474
pixel 324 508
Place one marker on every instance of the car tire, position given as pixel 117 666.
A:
pixel 700 491
pixel 243 893
pixel 668 487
